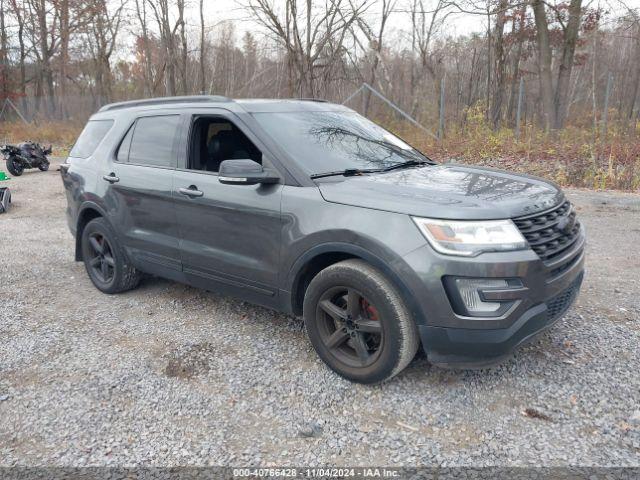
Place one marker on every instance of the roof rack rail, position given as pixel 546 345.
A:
pixel 165 100
pixel 319 100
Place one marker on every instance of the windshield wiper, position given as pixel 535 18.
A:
pixel 408 163
pixel 349 172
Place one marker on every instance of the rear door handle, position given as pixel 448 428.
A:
pixel 192 191
pixel 111 178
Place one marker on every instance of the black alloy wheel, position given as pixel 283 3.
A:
pixel 101 259
pixel 358 323
pixel 349 326
pixel 106 262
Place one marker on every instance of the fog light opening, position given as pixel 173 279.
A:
pixel 470 295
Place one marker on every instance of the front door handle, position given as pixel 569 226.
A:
pixel 192 191
pixel 111 178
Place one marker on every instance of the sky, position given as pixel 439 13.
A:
pixel 457 24
pixel 221 10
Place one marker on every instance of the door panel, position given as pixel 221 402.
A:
pixel 139 181
pixel 230 235
pixel 141 207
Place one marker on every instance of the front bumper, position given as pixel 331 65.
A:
pixel 453 340
pixel 469 348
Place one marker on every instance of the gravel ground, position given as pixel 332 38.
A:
pixel 169 375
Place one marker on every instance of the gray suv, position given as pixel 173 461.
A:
pixel 308 208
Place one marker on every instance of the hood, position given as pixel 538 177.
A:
pixel 446 191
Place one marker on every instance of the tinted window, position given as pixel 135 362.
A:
pixel 91 136
pixel 123 150
pixel 152 142
pixel 335 141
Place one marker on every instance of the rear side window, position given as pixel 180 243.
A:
pixel 152 141
pixel 90 138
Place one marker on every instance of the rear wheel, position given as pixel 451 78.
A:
pixel 14 166
pixel 104 259
pixel 358 324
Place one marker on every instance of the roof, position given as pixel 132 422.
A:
pixel 248 105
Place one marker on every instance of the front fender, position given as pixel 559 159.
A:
pixel 392 266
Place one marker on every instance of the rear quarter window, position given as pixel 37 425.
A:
pixel 91 136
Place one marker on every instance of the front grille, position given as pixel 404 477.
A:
pixel 551 232
pixel 561 302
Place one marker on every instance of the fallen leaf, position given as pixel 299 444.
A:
pixel 533 413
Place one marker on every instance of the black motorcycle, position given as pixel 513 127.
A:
pixel 25 155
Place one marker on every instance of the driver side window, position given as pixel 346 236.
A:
pixel 215 139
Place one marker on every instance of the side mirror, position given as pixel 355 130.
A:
pixel 244 172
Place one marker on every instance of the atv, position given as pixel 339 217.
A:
pixel 25 155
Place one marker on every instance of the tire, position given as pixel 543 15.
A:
pixel 358 323
pixel 44 166
pixel 105 260
pixel 15 168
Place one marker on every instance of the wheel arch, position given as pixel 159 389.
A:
pixel 87 212
pixel 308 265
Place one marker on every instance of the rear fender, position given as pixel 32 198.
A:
pixel 87 212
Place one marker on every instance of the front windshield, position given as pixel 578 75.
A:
pixel 325 142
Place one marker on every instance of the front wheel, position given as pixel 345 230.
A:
pixel 358 323
pixel 14 166
pixel 44 166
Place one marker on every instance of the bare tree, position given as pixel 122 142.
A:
pixel 17 11
pixel 555 103
pixel 141 11
pixel 424 25
pixel 500 61
pixel 167 28
pixel 4 54
pixel 376 43
pixel 45 36
pixel 312 36
pixel 102 35
pixel 203 80
pixel 570 31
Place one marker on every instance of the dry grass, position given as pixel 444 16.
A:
pixel 61 135
pixel 571 157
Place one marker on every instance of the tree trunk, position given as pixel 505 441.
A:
pixel 515 69
pixel 202 38
pixel 184 49
pixel 44 53
pixel 500 61
pixel 141 10
pixel 544 63
pixel 636 81
pixel 4 57
pixel 23 56
pixel 488 92
pixel 561 100
pixel 64 55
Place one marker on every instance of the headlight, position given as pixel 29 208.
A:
pixel 468 238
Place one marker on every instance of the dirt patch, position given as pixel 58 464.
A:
pixel 190 361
